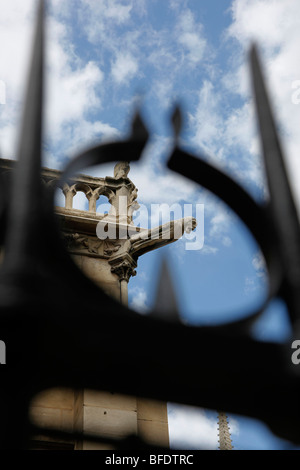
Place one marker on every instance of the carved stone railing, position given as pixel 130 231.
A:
pixel 116 255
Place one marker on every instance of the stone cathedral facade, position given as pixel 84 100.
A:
pixel 110 263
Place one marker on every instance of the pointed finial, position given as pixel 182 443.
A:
pixel 282 203
pixel 26 206
pixel 166 303
pixel 177 121
pixel 121 170
pixel 138 128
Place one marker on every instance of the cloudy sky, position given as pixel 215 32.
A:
pixel 106 56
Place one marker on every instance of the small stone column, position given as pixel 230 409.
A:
pixel 69 193
pixel 124 268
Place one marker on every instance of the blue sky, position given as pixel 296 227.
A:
pixel 106 56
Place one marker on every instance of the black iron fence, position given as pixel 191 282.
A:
pixel 53 339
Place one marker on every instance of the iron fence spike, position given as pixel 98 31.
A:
pixel 281 203
pixel 26 198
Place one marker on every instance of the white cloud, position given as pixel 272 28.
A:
pixel 16 34
pixel 16 22
pixel 259 19
pixel 259 264
pixel 274 26
pixel 217 224
pixel 208 250
pixel 234 429
pixel 74 137
pixel 207 121
pixel 228 139
pixel 191 428
pixel 73 90
pixel 111 10
pixel 73 87
pixel 116 11
pixel 163 90
pixel 124 67
pixel 226 241
pixel 220 223
pixel 139 298
pixel 260 278
pixel 141 48
pixel 60 8
pixel 8 135
pixel 190 36
pixel 101 17
pixel 228 134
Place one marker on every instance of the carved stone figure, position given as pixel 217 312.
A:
pixel 151 239
pixel 121 170
pixel 76 241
